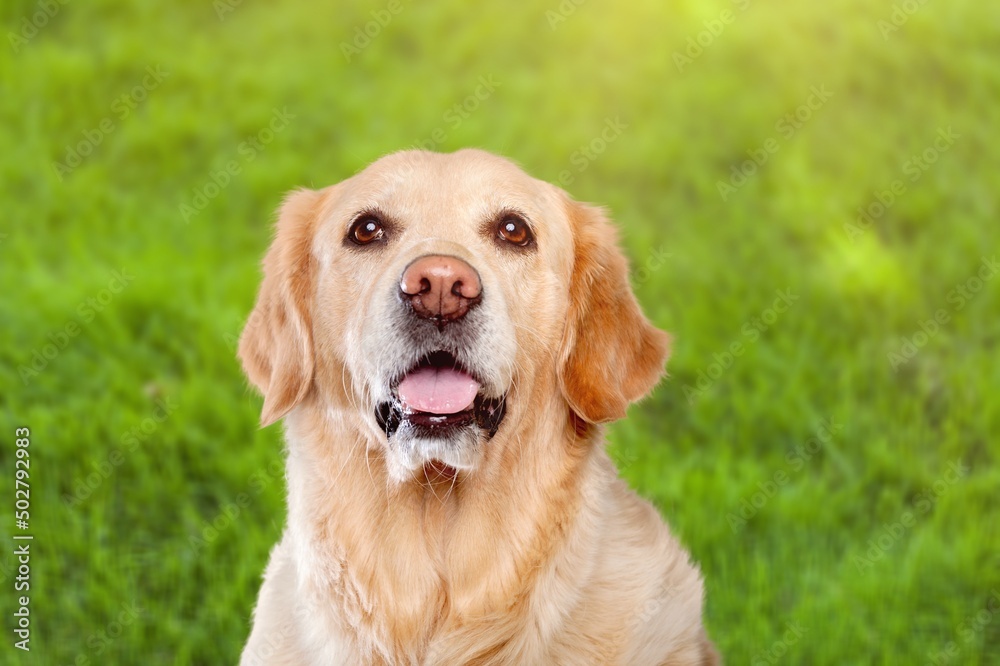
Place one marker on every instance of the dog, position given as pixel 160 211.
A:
pixel 443 336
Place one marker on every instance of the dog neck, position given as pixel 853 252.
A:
pixel 405 562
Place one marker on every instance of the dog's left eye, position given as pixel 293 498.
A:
pixel 366 230
pixel 515 230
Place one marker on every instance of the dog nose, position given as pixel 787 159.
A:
pixel 440 287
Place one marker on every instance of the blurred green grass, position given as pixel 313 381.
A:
pixel 705 269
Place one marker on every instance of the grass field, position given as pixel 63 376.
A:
pixel 808 193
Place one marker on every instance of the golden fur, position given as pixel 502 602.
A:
pixel 537 554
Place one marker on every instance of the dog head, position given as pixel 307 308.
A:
pixel 436 298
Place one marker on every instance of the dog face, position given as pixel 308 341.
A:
pixel 433 298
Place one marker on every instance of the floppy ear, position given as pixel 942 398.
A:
pixel 276 346
pixel 611 355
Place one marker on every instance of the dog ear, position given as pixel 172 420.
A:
pixel 611 355
pixel 276 346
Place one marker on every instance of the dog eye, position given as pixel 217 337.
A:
pixel 365 230
pixel 513 229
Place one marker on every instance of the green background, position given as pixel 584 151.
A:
pixel 862 546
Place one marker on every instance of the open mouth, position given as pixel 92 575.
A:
pixel 438 390
pixel 437 395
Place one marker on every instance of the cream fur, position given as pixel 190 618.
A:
pixel 537 553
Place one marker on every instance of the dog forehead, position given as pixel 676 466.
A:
pixel 468 164
pixel 440 185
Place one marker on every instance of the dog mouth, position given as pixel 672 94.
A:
pixel 438 388
pixel 438 395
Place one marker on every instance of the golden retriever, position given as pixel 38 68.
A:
pixel 443 336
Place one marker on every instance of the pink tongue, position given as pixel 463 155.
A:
pixel 438 391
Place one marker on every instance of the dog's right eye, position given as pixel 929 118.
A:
pixel 366 229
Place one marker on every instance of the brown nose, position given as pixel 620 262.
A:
pixel 440 288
